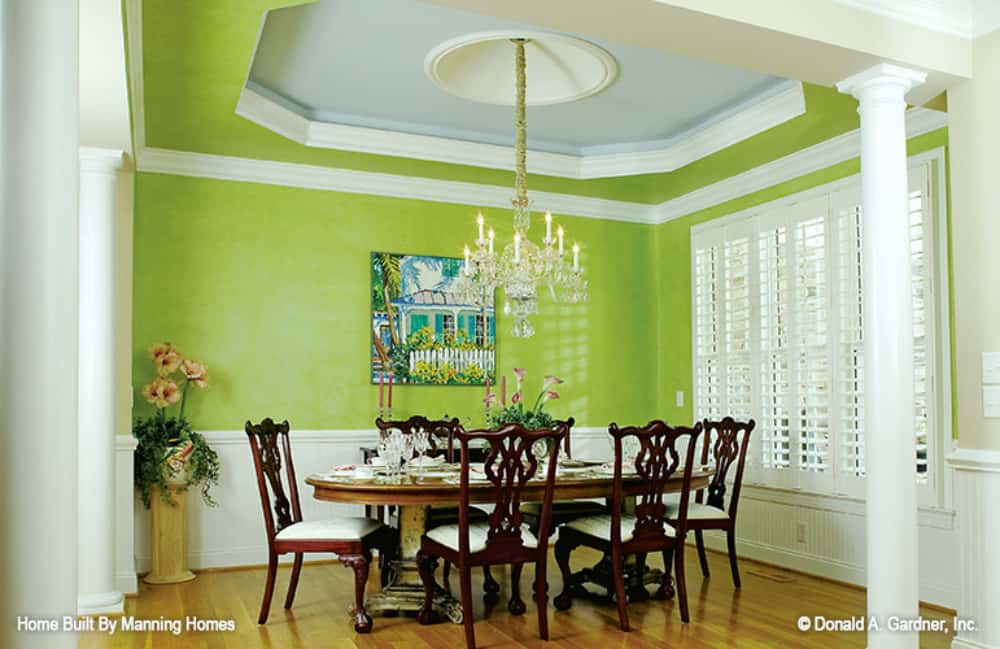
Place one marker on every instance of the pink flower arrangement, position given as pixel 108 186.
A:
pixel 533 417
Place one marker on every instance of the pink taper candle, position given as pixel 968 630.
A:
pixel 381 391
pixel 503 391
pixel 390 390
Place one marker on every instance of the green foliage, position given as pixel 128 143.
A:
pixel 516 414
pixel 422 338
pixel 158 437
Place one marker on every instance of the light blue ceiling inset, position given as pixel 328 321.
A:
pixel 361 63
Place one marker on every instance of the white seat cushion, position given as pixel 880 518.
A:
pixel 600 527
pixel 695 510
pixel 447 535
pixel 344 529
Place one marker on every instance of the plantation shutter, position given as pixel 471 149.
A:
pixel 774 295
pixel 707 322
pixel 922 264
pixel 812 341
pixel 849 351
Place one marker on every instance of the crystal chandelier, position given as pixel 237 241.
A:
pixel 522 266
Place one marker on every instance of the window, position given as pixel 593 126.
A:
pixel 778 334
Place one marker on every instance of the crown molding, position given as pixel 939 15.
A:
pixel 967 19
pixel 763 112
pixel 204 165
pixel 819 156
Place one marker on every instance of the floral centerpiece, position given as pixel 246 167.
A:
pixel 169 453
pixel 499 413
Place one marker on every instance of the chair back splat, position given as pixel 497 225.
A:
pixel 726 443
pixel 657 460
pixel 270 447
pixel 509 464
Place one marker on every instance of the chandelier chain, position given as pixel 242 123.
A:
pixel 521 126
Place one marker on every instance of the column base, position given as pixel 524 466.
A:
pixel 97 603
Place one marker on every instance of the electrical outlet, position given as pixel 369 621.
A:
pixel 680 398
pixel 991 401
pixel 991 368
pixel 800 532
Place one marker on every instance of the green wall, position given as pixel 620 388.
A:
pixel 270 286
pixel 673 285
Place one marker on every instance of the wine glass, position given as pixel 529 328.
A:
pixel 630 450
pixel 421 444
pixel 540 449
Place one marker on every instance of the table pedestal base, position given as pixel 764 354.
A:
pixel 404 593
pixel 404 590
pixel 600 575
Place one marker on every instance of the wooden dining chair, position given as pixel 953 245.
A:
pixel 351 538
pixel 647 530
pixel 504 538
pixel 563 511
pixel 442 436
pixel 725 444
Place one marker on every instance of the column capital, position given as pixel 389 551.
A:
pixel 98 160
pixel 882 76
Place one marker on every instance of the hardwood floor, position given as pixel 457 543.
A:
pixel 763 614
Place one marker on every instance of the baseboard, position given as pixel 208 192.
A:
pixel 127 583
pixel 936 594
pixel 100 603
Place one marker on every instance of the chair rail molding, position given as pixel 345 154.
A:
pixel 977 491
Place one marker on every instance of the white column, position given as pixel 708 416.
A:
pixel 96 495
pixel 890 455
pixel 39 128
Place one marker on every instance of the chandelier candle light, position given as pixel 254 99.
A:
pixel 522 265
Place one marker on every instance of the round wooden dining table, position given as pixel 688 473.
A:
pixel 403 591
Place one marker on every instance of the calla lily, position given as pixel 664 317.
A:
pixel 549 395
pixel 519 374
pixel 516 399
pixel 550 381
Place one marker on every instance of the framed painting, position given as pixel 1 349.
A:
pixel 421 328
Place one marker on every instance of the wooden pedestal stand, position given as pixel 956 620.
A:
pixel 169 538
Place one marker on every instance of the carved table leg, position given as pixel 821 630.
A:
pixel 404 591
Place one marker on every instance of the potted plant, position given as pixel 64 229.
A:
pixel 169 455
pixel 169 459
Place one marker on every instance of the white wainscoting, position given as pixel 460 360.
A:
pixel 233 533
pixel 977 492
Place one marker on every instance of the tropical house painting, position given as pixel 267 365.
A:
pixel 422 330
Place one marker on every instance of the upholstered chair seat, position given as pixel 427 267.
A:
pixel 355 528
pixel 600 527
pixel 447 535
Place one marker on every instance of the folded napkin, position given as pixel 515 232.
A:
pixel 425 461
